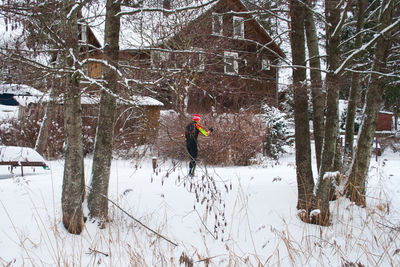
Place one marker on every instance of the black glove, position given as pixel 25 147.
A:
pixel 211 129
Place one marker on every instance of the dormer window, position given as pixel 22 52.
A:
pixel 217 21
pixel 238 27
pixel 231 63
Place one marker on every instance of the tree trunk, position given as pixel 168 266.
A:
pixel 97 201
pixel 354 91
pixel 73 189
pixel 332 11
pixel 305 182
pixel 42 139
pixel 358 175
pixel 318 99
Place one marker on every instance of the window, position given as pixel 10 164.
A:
pixel 265 64
pixel 217 21
pixel 231 63
pixel 238 27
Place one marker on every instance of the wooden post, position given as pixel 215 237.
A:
pixel 154 160
pixel 376 149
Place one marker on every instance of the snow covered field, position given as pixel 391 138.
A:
pixel 260 211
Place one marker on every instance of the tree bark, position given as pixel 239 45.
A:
pixel 354 91
pixel 73 189
pixel 42 139
pixel 305 182
pixel 358 175
pixel 332 11
pixel 97 203
pixel 318 99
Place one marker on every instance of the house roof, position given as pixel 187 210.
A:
pixel 88 100
pixel 19 90
pixel 141 30
pixel 26 95
pixel 134 100
pixel 138 31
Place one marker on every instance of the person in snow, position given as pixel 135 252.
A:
pixel 191 133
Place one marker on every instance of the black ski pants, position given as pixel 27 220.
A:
pixel 192 149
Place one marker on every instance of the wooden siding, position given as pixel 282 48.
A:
pixel 384 122
pixel 136 125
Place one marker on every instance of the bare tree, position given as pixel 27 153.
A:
pixel 97 201
pixel 51 28
pixel 335 15
pixel 305 182
pixel 318 97
pixel 356 185
pixel 73 189
pixel 42 139
pixel 354 90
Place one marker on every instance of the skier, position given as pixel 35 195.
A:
pixel 191 133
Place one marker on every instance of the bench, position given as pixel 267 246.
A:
pixel 14 156
pixel 14 164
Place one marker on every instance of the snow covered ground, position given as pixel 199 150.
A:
pixel 8 112
pixel 260 212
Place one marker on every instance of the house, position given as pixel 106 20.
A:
pixel 221 58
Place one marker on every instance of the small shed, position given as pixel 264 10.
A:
pixel 137 118
pixel 384 122
pixel 11 97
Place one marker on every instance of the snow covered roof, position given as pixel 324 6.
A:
pixel 88 100
pixel 24 101
pixel 19 90
pixel 135 100
pixel 138 30
pixel 23 94
pixel 143 29
pixel 146 101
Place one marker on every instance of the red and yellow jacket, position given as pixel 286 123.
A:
pixel 192 131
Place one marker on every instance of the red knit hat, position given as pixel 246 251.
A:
pixel 196 117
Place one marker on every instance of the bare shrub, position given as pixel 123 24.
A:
pixel 24 133
pixel 18 133
pixel 171 140
pixel 236 139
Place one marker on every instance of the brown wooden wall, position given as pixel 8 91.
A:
pixel 134 125
pixel 384 122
